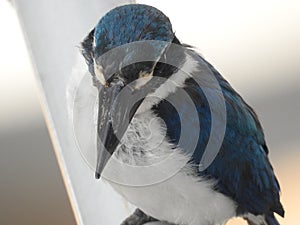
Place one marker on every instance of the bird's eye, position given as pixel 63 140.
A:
pixel 144 74
pixel 144 77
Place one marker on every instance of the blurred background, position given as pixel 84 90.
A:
pixel 254 44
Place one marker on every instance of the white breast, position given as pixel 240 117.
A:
pixel 184 198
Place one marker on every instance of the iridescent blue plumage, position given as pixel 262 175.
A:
pixel 241 169
pixel 141 23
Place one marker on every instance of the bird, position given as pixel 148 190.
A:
pixel 238 182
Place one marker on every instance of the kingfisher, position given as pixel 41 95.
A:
pixel 154 91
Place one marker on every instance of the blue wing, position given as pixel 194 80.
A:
pixel 242 167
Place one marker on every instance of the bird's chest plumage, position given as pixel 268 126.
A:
pixel 182 198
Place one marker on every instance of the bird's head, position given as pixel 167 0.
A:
pixel 114 70
pixel 120 27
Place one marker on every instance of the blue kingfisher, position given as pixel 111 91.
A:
pixel 136 68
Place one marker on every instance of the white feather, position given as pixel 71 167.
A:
pixel 259 219
pixel 184 198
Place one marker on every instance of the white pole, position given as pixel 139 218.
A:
pixel 53 30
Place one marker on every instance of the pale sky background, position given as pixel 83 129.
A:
pixel 255 45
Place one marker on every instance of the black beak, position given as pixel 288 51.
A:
pixel 114 115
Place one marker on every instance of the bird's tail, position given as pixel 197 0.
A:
pixel 267 219
pixel 271 220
